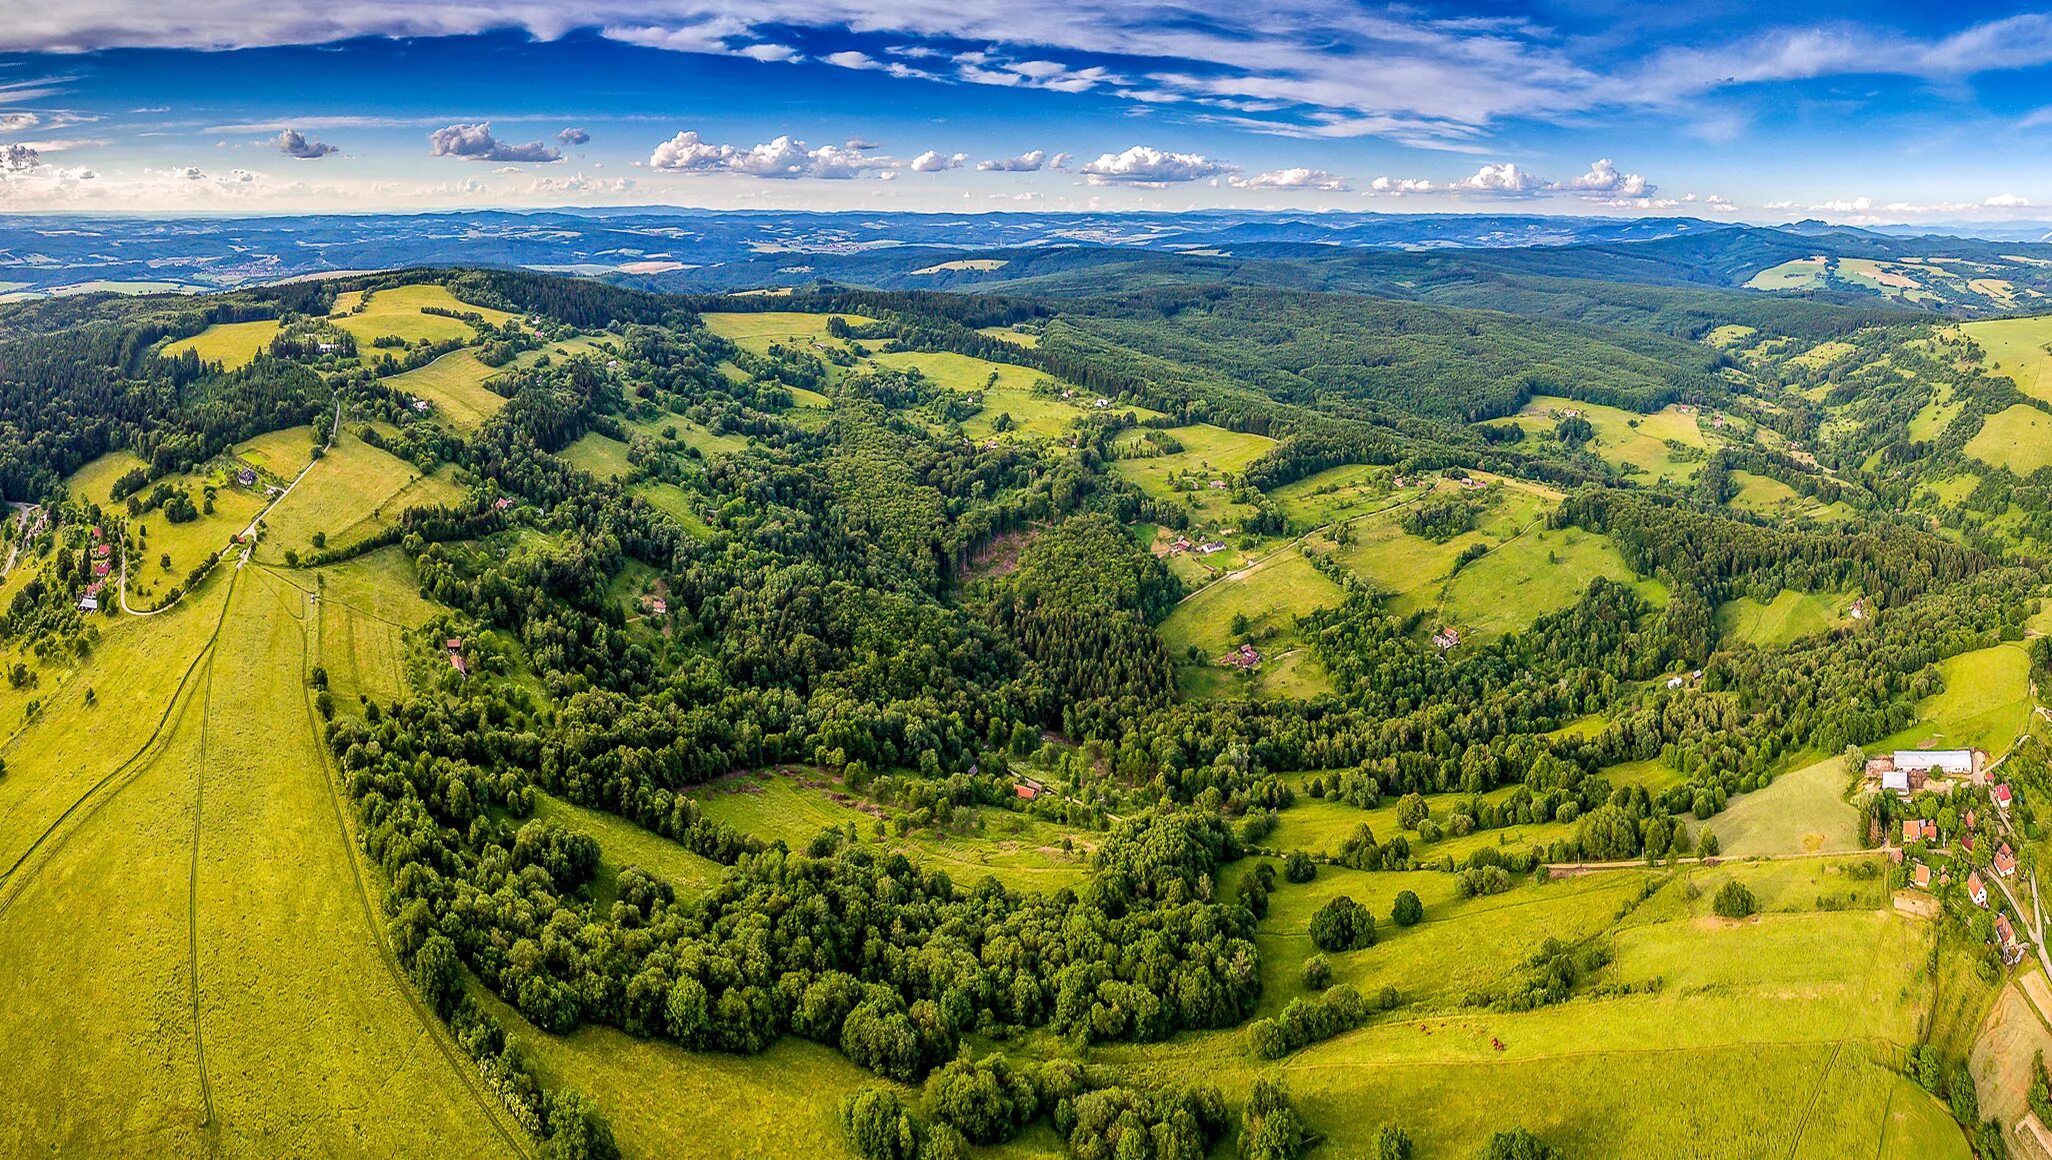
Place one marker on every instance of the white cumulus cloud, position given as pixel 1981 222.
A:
pixel 1145 165
pixel 934 161
pixel 1295 178
pixel 1031 161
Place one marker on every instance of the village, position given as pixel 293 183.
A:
pixel 1952 843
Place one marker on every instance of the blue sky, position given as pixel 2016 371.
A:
pixel 1869 112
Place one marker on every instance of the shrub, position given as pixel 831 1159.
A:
pixel 1392 1143
pixel 986 1100
pixel 1299 867
pixel 1317 973
pixel 1407 910
pixel 1734 900
pixel 1518 1144
pixel 1342 925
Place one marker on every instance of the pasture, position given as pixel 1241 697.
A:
pixel 397 312
pixel 595 453
pixel 1270 595
pixel 2019 438
pixel 279 454
pixel 355 491
pixel 623 844
pixel 1789 617
pixel 1004 389
pixel 366 607
pixel 454 385
pixel 1796 274
pixel 758 331
pixel 164 924
pixel 1338 493
pixel 1540 571
pixel 232 344
pixel 1803 811
pixel 1986 704
pixel 2020 348
pixel 1020 851
pixel 1646 444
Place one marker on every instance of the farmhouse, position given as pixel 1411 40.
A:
pixel 1217 485
pixel 2001 795
pixel 2005 862
pixel 1918 830
pixel 2005 938
pixel 88 603
pixel 1976 890
pixel 1951 762
pixel 1244 657
pixel 422 406
pixel 502 503
pixel 1859 608
pixel 1446 638
pixel 1920 877
pixel 1025 792
pixel 1210 546
pixel 102 551
pixel 658 606
pixel 1675 682
pixel 247 477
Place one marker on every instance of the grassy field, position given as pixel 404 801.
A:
pixel 165 925
pixel 153 536
pixel 1021 852
pixel 1005 390
pixel 623 844
pixel 397 311
pixel 1789 617
pixel 1730 1026
pixel 454 384
pixel 1271 595
pixel 1626 439
pixel 355 491
pixel 1006 334
pixel 2019 438
pixel 1210 453
pixel 602 457
pixel 280 454
pixel 1936 416
pixel 1338 493
pixel 367 605
pixel 964 264
pixel 1795 274
pixel 2018 348
pixel 232 344
pixel 1986 703
pixel 1803 811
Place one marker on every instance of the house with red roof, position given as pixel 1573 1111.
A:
pixel 1920 877
pixel 2005 862
pixel 1976 890
pixel 2001 794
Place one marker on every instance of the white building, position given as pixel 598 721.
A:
pixel 1955 762
pixel 1895 779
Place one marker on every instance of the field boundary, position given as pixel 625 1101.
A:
pixel 430 1024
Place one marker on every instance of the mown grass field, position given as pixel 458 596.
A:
pixel 281 454
pixel 366 607
pixel 1271 595
pixel 232 344
pixel 454 385
pixel 1211 453
pixel 1789 617
pixel 355 491
pixel 165 925
pixel 1986 703
pixel 2017 347
pixel 2019 438
pixel 1337 493
pixel 397 311
pixel 1803 811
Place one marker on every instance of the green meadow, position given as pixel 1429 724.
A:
pixel 1789 617
pixel 232 344
pixel 152 535
pixel 454 385
pixel 1803 811
pixel 397 312
pixel 2019 438
pixel 354 492
pixel 1986 704
pixel 1626 439
pixel 2020 348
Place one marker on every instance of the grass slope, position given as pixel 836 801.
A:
pixel 232 344
pixel 397 312
pixel 354 492
pixel 2019 438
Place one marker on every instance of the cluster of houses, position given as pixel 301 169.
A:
pixel 102 553
pixel 1245 658
pixel 1182 544
pixel 1920 837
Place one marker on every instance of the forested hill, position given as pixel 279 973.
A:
pixel 1054 709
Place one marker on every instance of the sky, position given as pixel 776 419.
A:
pixel 1862 113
